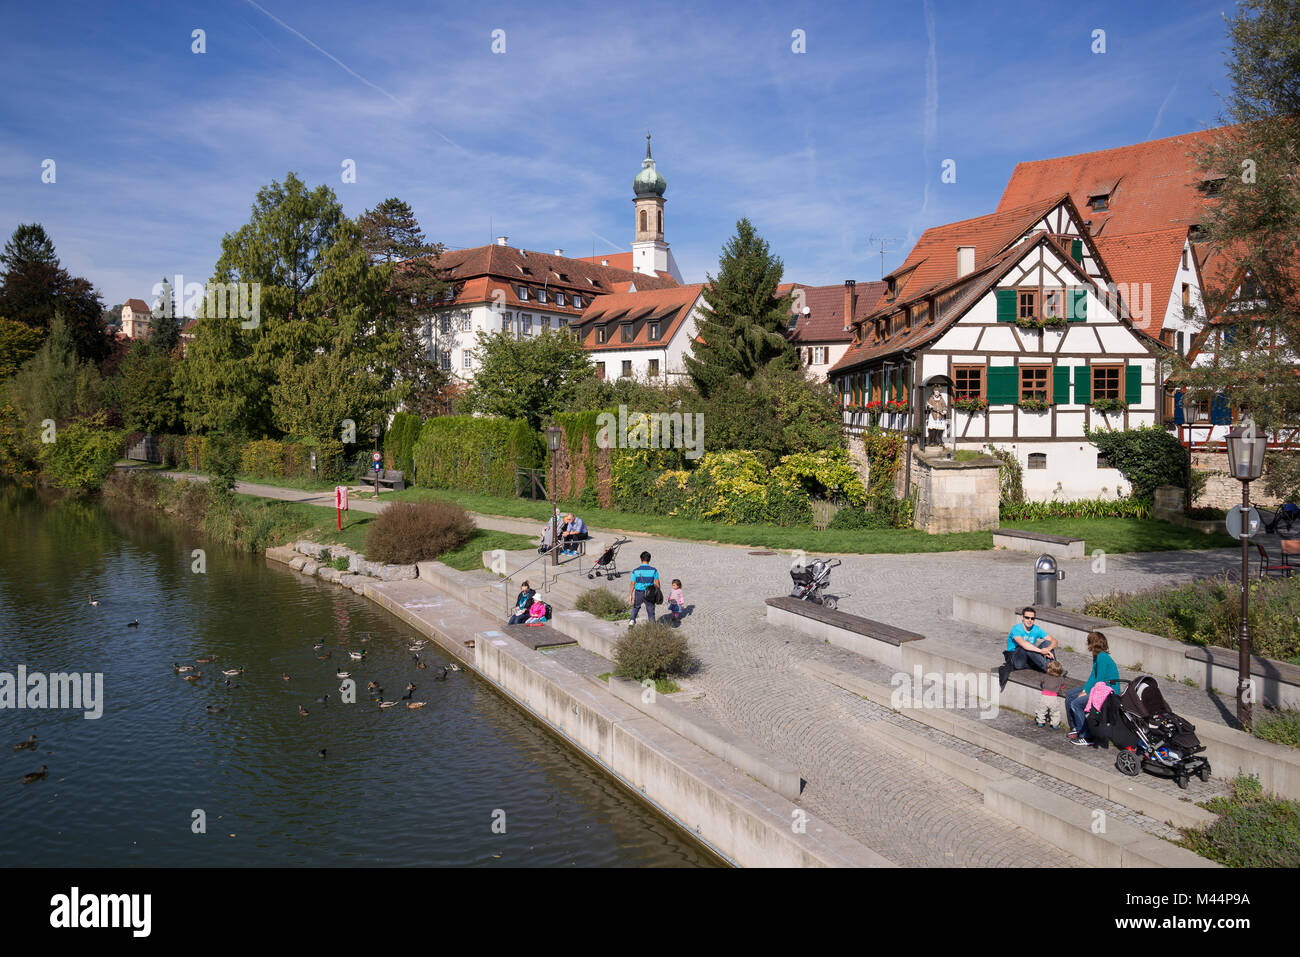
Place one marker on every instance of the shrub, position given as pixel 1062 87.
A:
pixel 1280 727
pixel 223 460
pixel 408 532
pixel 654 650
pixel 1282 476
pixel 603 604
pixel 400 441
pixel 828 473
pixel 82 455
pixel 1080 508
pixel 1146 457
pixel 1253 829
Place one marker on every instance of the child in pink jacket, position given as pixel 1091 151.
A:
pixel 676 602
pixel 537 612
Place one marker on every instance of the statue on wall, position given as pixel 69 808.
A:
pixel 937 415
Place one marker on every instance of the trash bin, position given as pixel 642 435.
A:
pixel 1046 575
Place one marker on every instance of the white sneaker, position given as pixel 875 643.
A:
pixel 631 621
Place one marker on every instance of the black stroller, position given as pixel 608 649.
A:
pixel 607 563
pixel 812 580
pixel 1287 515
pixel 1166 742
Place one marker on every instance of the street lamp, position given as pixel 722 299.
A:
pixel 553 443
pixel 1246 464
pixel 374 434
pixel 1191 415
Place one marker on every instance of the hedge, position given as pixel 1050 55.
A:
pixel 1147 457
pixel 399 443
pixel 475 454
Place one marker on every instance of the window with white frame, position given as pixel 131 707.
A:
pixel 468 360
pixel 506 320
pixel 522 291
pixel 559 298
pixel 526 321
pixel 466 323
pixel 819 355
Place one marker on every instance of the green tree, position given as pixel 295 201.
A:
pixel 36 289
pixel 1252 295
pixel 55 384
pixel 528 378
pixel 82 455
pixel 148 395
pixel 220 385
pixel 391 235
pixel 18 343
pixel 164 324
pixel 283 245
pixel 741 331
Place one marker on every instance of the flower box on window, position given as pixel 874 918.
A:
pixel 896 405
pixel 1034 405
pixel 873 408
pixel 1109 405
pixel 1048 322
pixel 971 406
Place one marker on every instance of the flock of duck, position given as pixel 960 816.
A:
pixel 192 674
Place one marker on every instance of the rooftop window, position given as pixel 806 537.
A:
pixel 1100 202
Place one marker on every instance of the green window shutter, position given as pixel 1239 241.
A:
pixel 1133 385
pixel 1082 385
pixel 1078 311
pixel 1061 385
pixel 1076 250
pixel 1006 305
pixel 1003 388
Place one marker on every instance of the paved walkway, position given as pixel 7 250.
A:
pixel 750 683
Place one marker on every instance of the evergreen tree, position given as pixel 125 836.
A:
pixel 742 331
pixel 391 234
pixel 164 325
pixel 36 288
pixel 1252 294
pixel 28 244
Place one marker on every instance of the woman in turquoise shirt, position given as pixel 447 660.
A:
pixel 1103 669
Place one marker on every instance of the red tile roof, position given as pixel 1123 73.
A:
pixel 137 305
pixel 932 263
pixel 825 321
pixel 480 271
pixel 668 307
pixel 617 260
pixel 1152 185
pixel 1148 261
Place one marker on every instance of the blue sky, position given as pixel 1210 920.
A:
pixel 159 151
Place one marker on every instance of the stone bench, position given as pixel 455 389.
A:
pixel 1277 683
pixel 1019 540
pixel 871 639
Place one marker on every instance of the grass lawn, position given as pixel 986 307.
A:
pixel 1127 534
pixel 320 525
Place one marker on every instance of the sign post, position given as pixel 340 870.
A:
pixel 340 502
pixel 378 460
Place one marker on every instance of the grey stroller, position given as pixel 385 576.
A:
pixel 812 580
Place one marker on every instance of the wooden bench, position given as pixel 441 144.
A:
pixel 840 619
pixel 393 478
pixel 537 636
pixel 1021 540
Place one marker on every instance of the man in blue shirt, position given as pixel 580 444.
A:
pixel 574 531
pixel 643 576
pixel 1028 646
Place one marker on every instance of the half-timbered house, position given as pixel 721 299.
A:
pixel 1011 316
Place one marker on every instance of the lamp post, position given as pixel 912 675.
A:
pixel 1246 463
pixel 374 434
pixel 1191 415
pixel 553 443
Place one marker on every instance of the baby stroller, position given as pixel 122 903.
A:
pixel 1166 742
pixel 812 580
pixel 544 545
pixel 607 563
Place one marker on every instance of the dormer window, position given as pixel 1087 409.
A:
pixel 601 334
pixel 1213 185
pixel 627 331
pixel 541 295
pixel 893 288
pixel 559 298
pixel 654 330
pixel 1099 202
pixel 522 291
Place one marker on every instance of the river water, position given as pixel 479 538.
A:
pixel 467 780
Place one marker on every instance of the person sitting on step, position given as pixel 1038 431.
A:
pixel 574 531
pixel 1028 646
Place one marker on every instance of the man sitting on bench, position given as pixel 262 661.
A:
pixel 1028 646
pixel 574 531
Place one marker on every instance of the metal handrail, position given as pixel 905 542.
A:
pixel 547 579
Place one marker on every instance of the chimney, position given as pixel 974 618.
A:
pixel 559 252
pixel 503 240
pixel 850 301
pixel 965 260
pixel 604 262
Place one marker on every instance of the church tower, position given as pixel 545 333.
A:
pixel 650 254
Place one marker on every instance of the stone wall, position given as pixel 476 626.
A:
pixel 955 496
pixel 1221 489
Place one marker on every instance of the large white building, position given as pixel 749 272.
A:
pixel 521 292
pixel 1011 315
